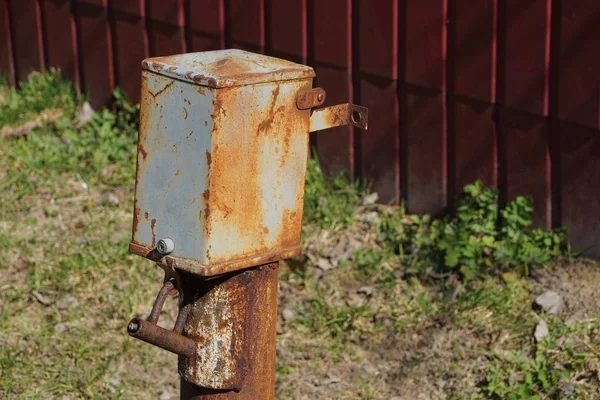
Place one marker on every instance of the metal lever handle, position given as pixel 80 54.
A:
pixel 149 332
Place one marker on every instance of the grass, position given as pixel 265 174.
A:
pixel 330 202
pixel 376 325
pixel 62 239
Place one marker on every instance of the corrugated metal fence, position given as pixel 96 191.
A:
pixel 503 90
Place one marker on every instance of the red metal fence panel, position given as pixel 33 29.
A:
pixel 330 53
pixel 506 91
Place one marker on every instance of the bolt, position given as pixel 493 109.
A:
pixel 320 97
pixel 133 326
pixel 165 246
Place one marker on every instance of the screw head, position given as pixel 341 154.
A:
pixel 133 326
pixel 320 97
pixel 165 246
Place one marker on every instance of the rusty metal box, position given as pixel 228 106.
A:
pixel 221 160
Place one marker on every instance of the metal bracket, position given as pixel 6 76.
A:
pixel 150 332
pixel 311 98
pixel 211 346
pixel 342 114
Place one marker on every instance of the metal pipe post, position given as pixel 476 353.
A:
pixel 234 321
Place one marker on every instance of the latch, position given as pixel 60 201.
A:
pixel 332 116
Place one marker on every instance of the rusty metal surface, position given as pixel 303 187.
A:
pixel 192 266
pixel 310 98
pixel 161 337
pixel 342 114
pixel 227 68
pixel 174 136
pixel 149 332
pixel 160 301
pixel 216 323
pixel 221 172
pixel 246 301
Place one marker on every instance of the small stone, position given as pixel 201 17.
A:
pixel 352 247
pixel 550 302
pixel 541 330
pixel 366 290
pixel 84 115
pixel 330 380
pixel 371 370
pixel 288 314
pixel 112 199
pixel 565 387
pixel 370 199
pixel 67 302
pixel 355 300
pixel 370 217
pixel 80 240
pixel 576 318
pixel 41 298
pixel 324 264
pixel 165 395
pixel 113 385
pixel 61 327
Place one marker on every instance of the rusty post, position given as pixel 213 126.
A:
pixel 258 323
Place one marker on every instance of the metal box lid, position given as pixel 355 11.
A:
pixel 227 68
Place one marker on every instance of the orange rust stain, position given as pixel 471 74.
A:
pixel 143 151
pixel 201 90
pixel 177 172
pixel 217 109
pixel 241 209
pixel 136 219
pixel 286 146
pixel 265 126
pixel 208 158
pixel 161 91
pixel 146 215
pixel 290 234
pixel 152 225
pixel 206 216
pixel 266 230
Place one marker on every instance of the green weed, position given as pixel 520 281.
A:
pixel 39 92
pixel 555 371
pixel 479 240
pixel 330 201
pixel 332 320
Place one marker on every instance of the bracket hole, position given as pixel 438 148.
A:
pixel 356 117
